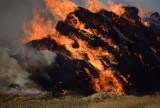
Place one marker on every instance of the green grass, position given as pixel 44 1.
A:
pixel 99 100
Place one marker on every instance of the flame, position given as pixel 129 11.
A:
pixel 60 8
pixel 107 82
pixel 96 5
pixel 38 27
pixel 66 92
pixel 42 26
pixel 116 8
pixel 93 54
pixel 145 23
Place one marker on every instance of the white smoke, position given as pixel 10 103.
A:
pixel 15 60
pixel 31 58
pixel 11 73
pixel 13 77
pixel 47 57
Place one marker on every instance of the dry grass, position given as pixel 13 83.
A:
pixel 100 100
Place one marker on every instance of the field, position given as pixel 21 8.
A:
pixel 98 100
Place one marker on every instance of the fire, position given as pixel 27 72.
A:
pixel 60 8
pixel 147 24
pixel 94 5
pixel 107 82
pixel 39 27
pixel 116 8
pixel 93 54
pixel 42 26
pixel 66 92
pixel 143 12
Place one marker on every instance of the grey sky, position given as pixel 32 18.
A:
pixel 152 4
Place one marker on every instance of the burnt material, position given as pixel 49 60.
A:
pixel 156 14
pixel 131 12
pixel 67 74
pixel 135 48
pixel 48 44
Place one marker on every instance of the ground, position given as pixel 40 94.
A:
pixel 98 100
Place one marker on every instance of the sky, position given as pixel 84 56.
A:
pixel 152 4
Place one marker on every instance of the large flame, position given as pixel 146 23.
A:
pixel 41 26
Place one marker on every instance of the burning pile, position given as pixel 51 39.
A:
pixel 109 49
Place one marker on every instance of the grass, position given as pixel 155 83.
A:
pixel 99 100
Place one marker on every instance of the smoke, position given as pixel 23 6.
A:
pixel 14 56
pixel 13 78
pixel 13 14
pixel 11 74
pixel 31 58
pixel 47 57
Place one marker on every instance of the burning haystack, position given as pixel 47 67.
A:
pixel 88 50
pixel 102 51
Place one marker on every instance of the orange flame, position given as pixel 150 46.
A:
pixel 66 92
pixel 147 24
pixel 116 8
pixel 38 27
pixel 41 26
pixel 60 8
pixel 107 82
pixel 96 5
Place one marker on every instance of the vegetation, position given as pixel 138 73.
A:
pixel 98 100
